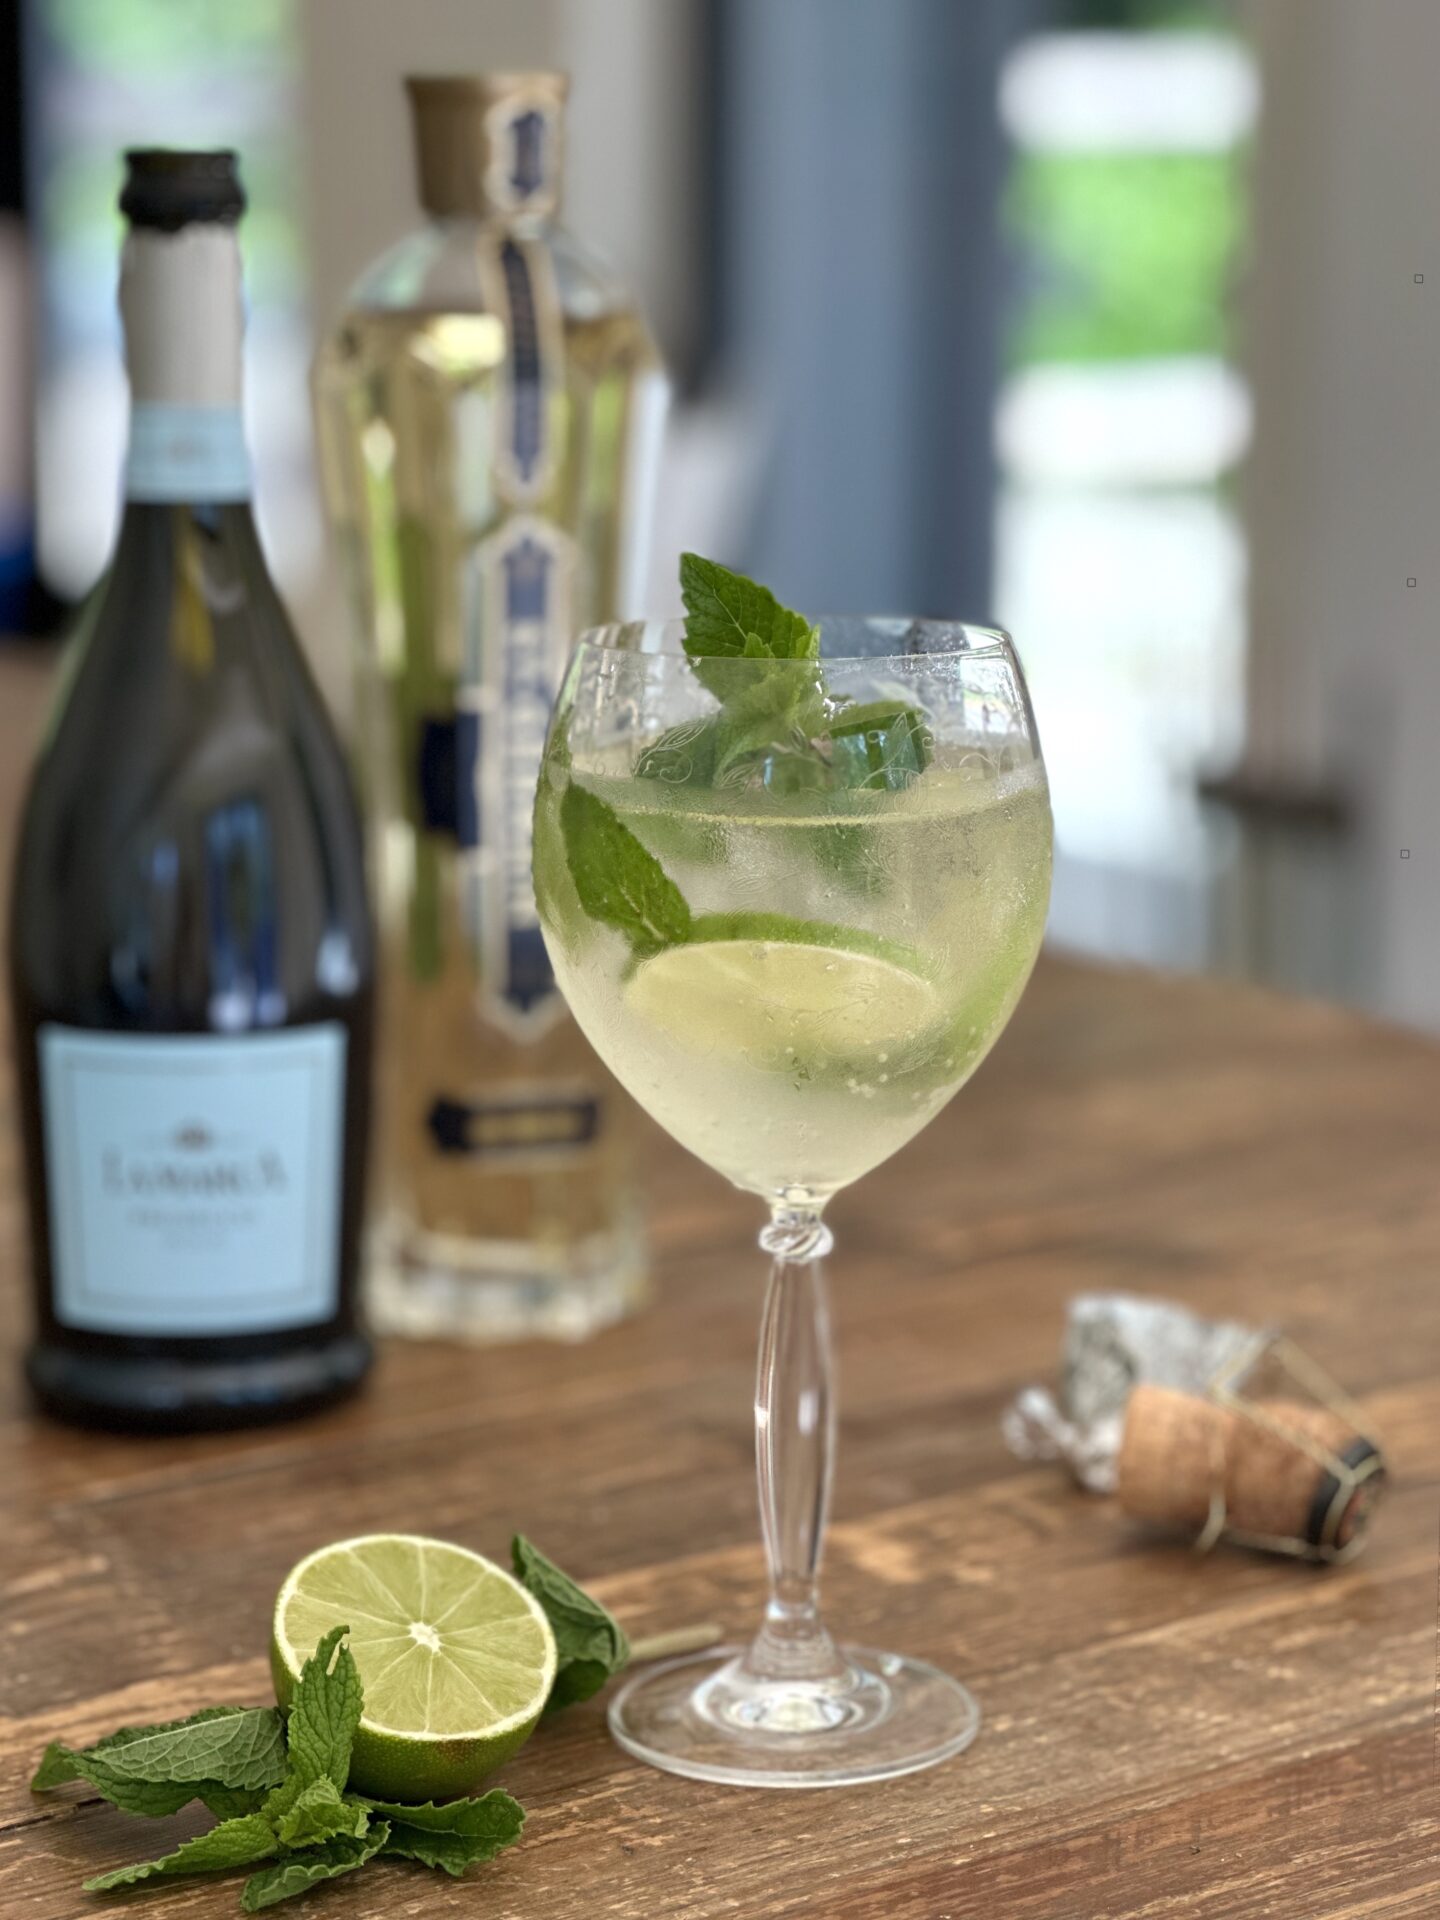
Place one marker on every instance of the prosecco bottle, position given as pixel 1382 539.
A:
pixel 192 961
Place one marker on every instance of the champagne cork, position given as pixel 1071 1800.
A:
pixel 1192 1463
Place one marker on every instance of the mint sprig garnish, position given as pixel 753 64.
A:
pixel 777 721
pixel 783 722
pixel 731 619
pixel 773 716
pixel 728 617
pixel 590 1643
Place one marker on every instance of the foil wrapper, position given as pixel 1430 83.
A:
pixel 1113 1341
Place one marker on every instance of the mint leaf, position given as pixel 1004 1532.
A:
pixel 62 1763
pixel 559 910
pixel 235 1843
pixel 156 1770
pixel 455 1835
pixel 154 1799
pixel 238 1746
pixel 729 617
pixel 784 718
pixel 883 744
pixel 590 1643
pixel 289 1877
pixel 325 1710
pixel 319 1813
pixel 782 709
pixel 229 1803
pixel 821 743
pixel 57 1765
pixel 683 756
pixel 619 881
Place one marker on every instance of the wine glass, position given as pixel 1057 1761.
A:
pixel 792 904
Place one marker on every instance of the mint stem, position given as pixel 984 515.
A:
pixel 664 1646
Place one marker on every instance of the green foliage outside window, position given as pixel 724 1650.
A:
pixel 1126 255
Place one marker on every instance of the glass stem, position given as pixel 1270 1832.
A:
pixel 794 1447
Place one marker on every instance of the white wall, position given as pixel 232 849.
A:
pixel 633 191
pixel 360 168
pixel 1343 486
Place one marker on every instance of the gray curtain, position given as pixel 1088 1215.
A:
pixel 860 163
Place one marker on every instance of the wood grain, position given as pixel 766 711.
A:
pixel 1231 1737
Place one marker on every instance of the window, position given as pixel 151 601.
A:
pixel 1121 420
pixel 117 73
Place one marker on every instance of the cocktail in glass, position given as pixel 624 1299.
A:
pixel 792 904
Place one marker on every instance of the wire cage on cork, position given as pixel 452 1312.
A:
pixel 1272 1455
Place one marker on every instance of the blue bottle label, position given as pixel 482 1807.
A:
pixel 186 453
pixel 518 604
pixel 523 133
pixel 516 642
pixel 194 1181
pixel 524 281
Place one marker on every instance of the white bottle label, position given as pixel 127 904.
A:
pixel 194 1182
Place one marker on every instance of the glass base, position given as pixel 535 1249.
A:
pixel 710 1718
pixel 426 1286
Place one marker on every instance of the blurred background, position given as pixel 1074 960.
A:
pixel 1109 320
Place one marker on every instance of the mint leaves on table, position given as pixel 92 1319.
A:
pixel 228 1803
pixel 305 1870
pixel 590 1643
pixel 319 1812
pixel 234 1843
pixel 281 1789
pixel 325 1710
pixel 454 1834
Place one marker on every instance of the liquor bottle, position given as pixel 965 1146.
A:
pixel 490 406
pixel 191 953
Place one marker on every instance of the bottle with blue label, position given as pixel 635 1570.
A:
pixel 490 407
pixel 192 961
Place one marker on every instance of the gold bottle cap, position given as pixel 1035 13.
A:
pixel 488 142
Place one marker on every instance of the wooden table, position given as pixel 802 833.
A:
pixel 1165 1735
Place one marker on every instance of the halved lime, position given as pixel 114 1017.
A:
pixel 782 928
pixel 456 1658
pixel 787 993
